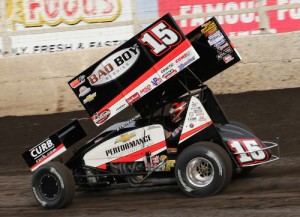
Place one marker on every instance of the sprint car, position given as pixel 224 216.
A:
pixel 153 70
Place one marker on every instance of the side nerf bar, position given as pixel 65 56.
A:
pixel 54 145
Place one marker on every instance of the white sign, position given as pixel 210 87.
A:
pixel 70 40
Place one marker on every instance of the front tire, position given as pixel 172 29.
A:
pixel 203 169
pixel 53 185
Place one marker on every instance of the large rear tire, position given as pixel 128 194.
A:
pixel 203 169
pixel 53 185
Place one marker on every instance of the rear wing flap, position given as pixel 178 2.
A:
pixel 54 145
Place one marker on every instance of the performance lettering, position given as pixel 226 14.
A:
pixel 128 145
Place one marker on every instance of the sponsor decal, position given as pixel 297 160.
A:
pixel 114 66
pixel 193 119
pixel 121 107
pixel 125 137
pixel 133 98
pixel 222 46
pixel 228 58
pixel 183 56
pixel 41 149
pixel 202 118
pixel 83 90
pixel 215 38
pixel 128 146
pixel 101 117
pixel 220 43
pixel 156 81
pixel 89 98
pixel 167 69
pixel 209 28
pixel 186 63
pixel 145 90
pixel 224 52
pixel 170 74
pixel 77 82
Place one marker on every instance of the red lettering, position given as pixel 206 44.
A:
pixel 32 7
pixel 55 5
pixel 109 68
pixel 109 8
pixel 92 5
pixel 73 10
pixel 93 79
pixel 101 73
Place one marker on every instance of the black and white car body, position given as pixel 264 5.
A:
pixel 152 70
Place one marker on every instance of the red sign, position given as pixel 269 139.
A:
pixel 285 20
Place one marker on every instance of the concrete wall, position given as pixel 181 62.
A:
pixel 37 84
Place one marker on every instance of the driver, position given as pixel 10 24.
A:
pixel 177 114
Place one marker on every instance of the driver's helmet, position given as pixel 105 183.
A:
pixel 177 111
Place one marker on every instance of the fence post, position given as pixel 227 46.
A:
pixel 135 22
pixel 264 24
pixel 6 45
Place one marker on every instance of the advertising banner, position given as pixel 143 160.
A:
pixel 29 14
pixel 70 40
pixel 285 20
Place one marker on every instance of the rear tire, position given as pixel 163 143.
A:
pixel 53 185
pixel 203 169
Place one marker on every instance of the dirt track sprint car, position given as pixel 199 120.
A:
pixel 180 133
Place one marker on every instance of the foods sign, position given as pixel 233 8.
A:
pixel 35 13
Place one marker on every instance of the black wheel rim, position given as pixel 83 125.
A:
pixel 49 186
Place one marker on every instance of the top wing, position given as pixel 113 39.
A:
pixel 133 70
pixel 217 54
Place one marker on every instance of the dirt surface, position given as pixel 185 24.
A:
pixel 270 190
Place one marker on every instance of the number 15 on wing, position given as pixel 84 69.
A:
pixel 160 38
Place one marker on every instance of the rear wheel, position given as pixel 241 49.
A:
pixel 53 185
pixel 203 169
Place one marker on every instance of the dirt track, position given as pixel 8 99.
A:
pixel 270 190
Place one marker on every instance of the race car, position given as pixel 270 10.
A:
pixel 179 134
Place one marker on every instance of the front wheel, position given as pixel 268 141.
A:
pixel 53 185
pixel 203 169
